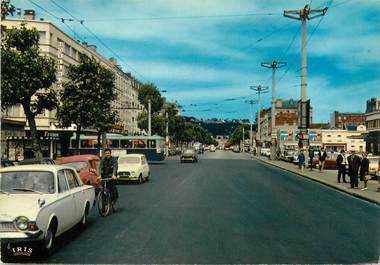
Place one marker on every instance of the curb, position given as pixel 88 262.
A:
pixel 321 182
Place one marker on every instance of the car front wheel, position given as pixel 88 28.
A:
pixel 47 244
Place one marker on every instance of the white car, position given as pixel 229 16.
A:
pixel 39 203
pixel 133 167
pixel 212 148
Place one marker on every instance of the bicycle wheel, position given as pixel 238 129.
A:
pixel 104 203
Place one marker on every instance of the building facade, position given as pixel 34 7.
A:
pixel 65 50
pixel 339 139
pixel 343 120
pixel 372 117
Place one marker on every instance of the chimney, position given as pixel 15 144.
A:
pixel 92 47
pixel 29 14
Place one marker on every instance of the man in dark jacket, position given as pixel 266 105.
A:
pixel 311 157
pixel 108 169
pixel 353 169
pixel 341 164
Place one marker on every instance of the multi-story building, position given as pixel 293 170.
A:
pixel 65 50
pixel 372 117
pixel 340 139
pixel 343 120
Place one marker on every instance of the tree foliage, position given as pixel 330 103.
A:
pixel 6 8
pixel 237 134
pixel 87 96
pixel 27 77
pixel 150 91
pixel 158 123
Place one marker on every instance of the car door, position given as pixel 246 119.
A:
pixel 77 193
pixel 145 166
pixel 65 206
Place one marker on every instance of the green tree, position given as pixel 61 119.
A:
pixel 237 134
pixel 6 8
pixel 87 97
pixel 105 122
pixel 150 91
pixel 27 77
pixel 158 123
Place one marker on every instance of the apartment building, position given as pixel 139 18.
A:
pixel 65 50
pixel 343 120
pixel 372 117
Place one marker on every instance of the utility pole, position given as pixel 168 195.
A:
pixel 149 118
pixel 243 138
pixel 274 65
pixel 251 102
pixel 304 105
pixel 167 134
pixel 259 90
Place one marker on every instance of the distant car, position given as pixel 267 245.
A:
pixel 212 148
pixel 87 167
pixel 133 167
pixel 39 203
pixel 189 155
pixel 6 163
pixel 36 161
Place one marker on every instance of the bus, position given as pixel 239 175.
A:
pixel 152 147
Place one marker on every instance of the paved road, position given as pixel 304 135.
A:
pixel 227 209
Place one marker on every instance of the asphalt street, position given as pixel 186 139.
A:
pixel 227 209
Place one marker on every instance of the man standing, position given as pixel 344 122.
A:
pixel 108 169
pixel 311 157
pixel 301 160
pixel 353 169
pixel 322 158
pixel 341 164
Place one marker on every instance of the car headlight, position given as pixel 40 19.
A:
pixel 22 222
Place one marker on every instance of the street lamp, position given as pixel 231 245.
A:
pixel 251 102
pixel 259 90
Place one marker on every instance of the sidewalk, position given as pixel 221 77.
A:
pixel 329 178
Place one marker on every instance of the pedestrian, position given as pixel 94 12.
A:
pixel 108 169
pixel 322 158
pixel 311 157
pixel 301 160
pixel 341 162
pixel 364 170
pixel 353 169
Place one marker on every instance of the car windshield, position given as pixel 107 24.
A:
pixel 189 151
pixel 129 160
pixel 77 165
pixel 27 181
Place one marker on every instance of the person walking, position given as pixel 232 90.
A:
pixel 311 157
pixel 108 169
pixel 353 169
pixel 301 160
pixel 341 162
pixel 322 158
pixel 364 170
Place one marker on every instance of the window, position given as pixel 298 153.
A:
pixel 113 143
pixel 139 144
pixel 62 184
pixel 152 143
pixel 42 36
pixel 74 53
pixel 339 135
pixel 126 143
pixel 67 49
pixel 85 144
pixel 71 179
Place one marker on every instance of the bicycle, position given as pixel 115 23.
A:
pixel 104 198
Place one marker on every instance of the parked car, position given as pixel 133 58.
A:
pixel 189 155
pixel 212 148
pixel 6 163
pixel 87 167
pixel 265 151
pixel 39 203
pixel 133 167
pixel 374 162
pixel 35 161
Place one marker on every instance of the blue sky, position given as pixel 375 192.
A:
pixel 205 51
